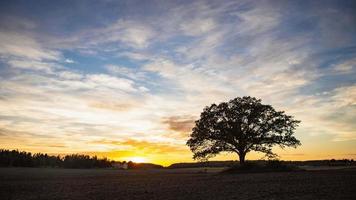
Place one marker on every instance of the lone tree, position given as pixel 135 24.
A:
pixel 240 126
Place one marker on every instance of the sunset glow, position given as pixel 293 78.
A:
pixel 138 159
pixel 127 80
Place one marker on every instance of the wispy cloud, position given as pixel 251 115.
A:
pixel 17 45
pixel 126 72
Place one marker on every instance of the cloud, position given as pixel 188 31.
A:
pixel 67 60
pixel 68 75
pixel 134 56
pixel 344 96
pixel 126 72
pixel 331 113
pixel 165 68
pixel 33 65
pixel 257 20
pixel 132 33
pixel 18 45
pixel 198 26
pixel 193 80
pixel 129 33
pixel 60 101
pixel 346 66
pixel 113 106
pixel 183 124
pixel 103 80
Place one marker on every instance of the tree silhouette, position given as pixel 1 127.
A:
pixel 240 126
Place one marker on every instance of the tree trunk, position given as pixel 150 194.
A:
pixel 242 158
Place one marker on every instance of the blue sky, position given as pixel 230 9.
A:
pixel 125 78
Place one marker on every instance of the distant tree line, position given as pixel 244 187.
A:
pixel 331 162
pixel 15 158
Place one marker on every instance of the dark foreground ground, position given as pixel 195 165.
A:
pixel 22 183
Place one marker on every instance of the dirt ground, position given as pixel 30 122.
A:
pixel 22 183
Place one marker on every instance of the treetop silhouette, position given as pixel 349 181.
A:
pixel 240 126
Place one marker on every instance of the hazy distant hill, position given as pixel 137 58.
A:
pixel 132 165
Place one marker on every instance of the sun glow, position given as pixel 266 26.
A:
pixel 137 159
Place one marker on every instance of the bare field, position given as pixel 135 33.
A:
pixel 32 183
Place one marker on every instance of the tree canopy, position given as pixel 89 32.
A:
pixel 240 126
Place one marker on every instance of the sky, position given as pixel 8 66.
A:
pixel 127 79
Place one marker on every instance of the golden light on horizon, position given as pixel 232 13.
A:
pixel 137 159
